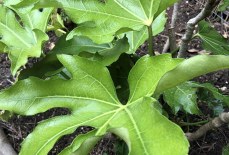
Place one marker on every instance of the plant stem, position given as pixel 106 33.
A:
pixel 193 124
pixel 190 27
pixel 5 146
pixel 150 41
pixel 217 122
pixel 171 41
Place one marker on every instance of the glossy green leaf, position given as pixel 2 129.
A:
pixel 182 97
pixel 108 56
pixel 212 40
pixel 191 68
pixel 21 42
pixel 57 24
pixel 19 2
pixel 24 6
pixel 137 38
pixel 36 19
pixel 224 5
pixel 147 72
pixel 2 47
pixel 225 150
pixel 100 21
pixel 215 92
pixel 82 144
pixel 104 53
pixel 90 96
pixel 71 47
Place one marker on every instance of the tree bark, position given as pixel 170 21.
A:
pixel 206 11
pixel 5 146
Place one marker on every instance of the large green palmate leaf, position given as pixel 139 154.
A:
pixel 21 42
pixel 90 96
pixel 100 21
pixel 82 144
pixel 36 19
pixel 191 68
pixel 24 6
pixel 106 54
pixel 212 40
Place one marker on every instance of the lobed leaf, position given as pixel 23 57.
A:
pixel 91 98
pixel 104 53
pixel 191 68
pixel 82 144
pixel 36 19
pixel 182 97
pixel 212 40
pixel 145 75
pixel 24 6
pixel 108 56
pixel 214 91
pixel 21 42
pixel 101 21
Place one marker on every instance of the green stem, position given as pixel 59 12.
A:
pixel 194 124
pixel 150 41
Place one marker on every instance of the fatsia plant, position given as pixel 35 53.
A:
pixel 89 92
pixel 212 40
pixel 90 96
pixel 22 42
pixel 184 97
pixel 102 20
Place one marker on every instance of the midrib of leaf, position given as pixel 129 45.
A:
pixel 115 112
pixel 32 27
pixel 96 80
pixel 129 11
pixel 209 42
pixel 74 126
pixel 103 13
pixel 18 57
pixel 15 34
pixel 30 22
pixel 105 124
pixel 178 88
pixel 136 86
pixel 143 9
pixel 73 97
pixel 137 131
pixel 216 42
pixel 151 9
